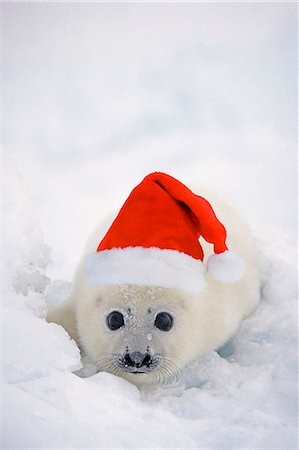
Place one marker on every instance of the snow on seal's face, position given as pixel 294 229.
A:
pixel 143 334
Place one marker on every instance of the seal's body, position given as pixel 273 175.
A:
pixel 148 334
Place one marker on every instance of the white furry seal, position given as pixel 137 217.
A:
pixel 148 334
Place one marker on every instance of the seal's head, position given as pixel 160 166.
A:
pixel 141 309
pixel 144 334
pixel 145 302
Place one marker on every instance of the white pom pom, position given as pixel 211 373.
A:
pixel 226 267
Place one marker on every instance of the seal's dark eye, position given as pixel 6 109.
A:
pixel 164 321
pixel 115 320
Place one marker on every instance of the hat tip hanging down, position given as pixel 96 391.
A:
pixel 154 240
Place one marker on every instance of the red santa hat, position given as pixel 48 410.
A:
pixel 154 240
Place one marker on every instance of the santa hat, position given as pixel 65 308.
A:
pixel 154 240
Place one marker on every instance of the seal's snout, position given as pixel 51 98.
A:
pixel 137 360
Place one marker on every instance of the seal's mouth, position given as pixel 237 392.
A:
pixel 155 367
pixel 137 363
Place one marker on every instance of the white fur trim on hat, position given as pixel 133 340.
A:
pixel 146 266
pixel 226 267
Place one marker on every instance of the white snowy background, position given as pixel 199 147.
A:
pixel 96 96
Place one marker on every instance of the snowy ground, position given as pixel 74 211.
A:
pixel 95 97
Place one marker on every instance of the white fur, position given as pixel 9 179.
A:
pixel 202 321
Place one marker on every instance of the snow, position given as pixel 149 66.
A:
pixel 95 97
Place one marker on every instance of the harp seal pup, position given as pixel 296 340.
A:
pixel 149 334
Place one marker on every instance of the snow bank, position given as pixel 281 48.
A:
pixel 246 396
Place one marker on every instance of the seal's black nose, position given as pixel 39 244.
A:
pixel 137 359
